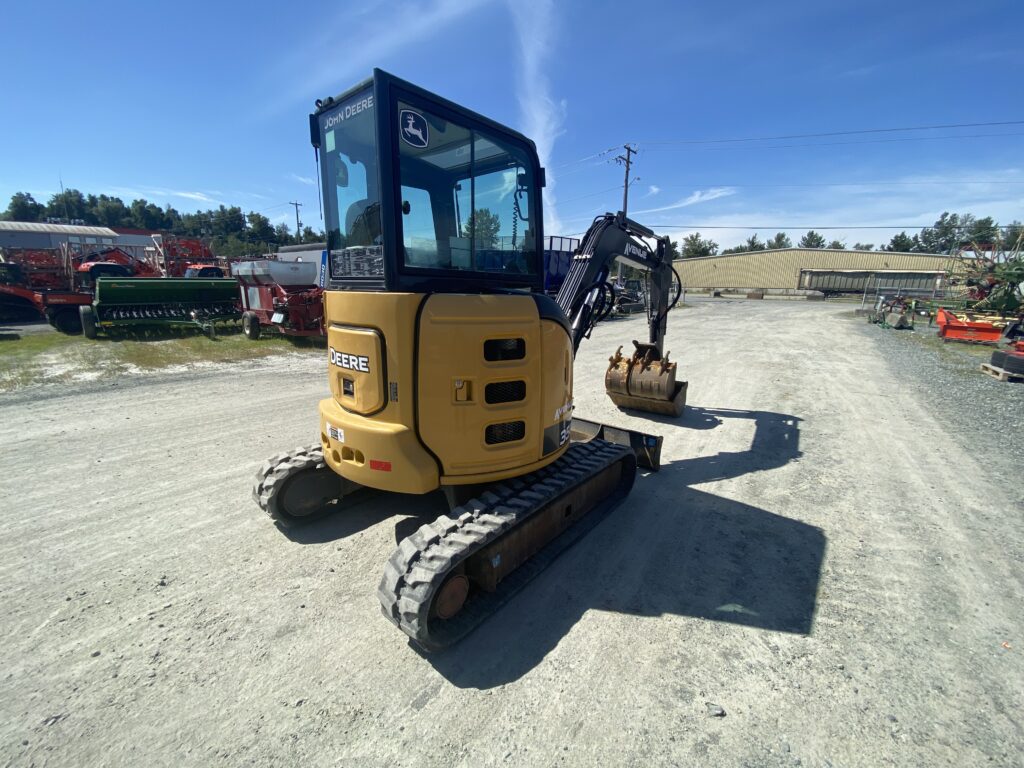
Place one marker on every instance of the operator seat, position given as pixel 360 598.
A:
pixel 362 223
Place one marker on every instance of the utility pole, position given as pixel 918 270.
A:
pixel 626 160
pixel 298 224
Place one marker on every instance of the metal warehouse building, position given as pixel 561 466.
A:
pixel 23 234
pixel 817 269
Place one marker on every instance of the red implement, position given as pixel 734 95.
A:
pixel 970 326
pixel 282 295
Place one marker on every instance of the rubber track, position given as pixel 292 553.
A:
pixel 423 560
pixel 276 470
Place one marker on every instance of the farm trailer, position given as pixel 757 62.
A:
pixel 280 294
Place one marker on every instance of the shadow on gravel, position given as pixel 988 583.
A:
pixel 9 336
pixel 669 549
pixel 371 508
pixel 694 417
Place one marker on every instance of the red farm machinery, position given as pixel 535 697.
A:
pixel 55 282
pixel 283 295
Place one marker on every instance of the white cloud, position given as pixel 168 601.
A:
pixel 912 202
pixel 200 196
pixel 652 190
pixel 351 44
pixel 542 116
pixel 164 193
pixel 302 179
pixel 699 196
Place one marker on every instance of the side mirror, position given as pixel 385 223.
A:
pixel 341 175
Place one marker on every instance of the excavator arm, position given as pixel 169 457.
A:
pixel 647 380
pixel 585 296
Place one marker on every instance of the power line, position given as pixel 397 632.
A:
pixel 591 194
pixel 594 156
pixel 826 134
pixel 845 143
pixel 940 182
pixel 837 133
pixel 272 207
pixel 781 227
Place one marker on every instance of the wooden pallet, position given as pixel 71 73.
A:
pixel 998 373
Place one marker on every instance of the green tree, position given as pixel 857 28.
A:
pixel 903 243
pixel 69 205
pixel 984 231
pixel 781 240
pixel 1013 236
pixel 837 245
pixel 752 243
pixel 283 235
pixel 483 226
pixel 227 221
pixel 110 211
pixel 23 207
pixel 812 240
pixel 694 245
pixel 947 234
pixel 260 230
pixel 235 247
pixel 310 235
pixel 863 246
pixel 146 215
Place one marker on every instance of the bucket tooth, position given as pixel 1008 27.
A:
pixel 645 382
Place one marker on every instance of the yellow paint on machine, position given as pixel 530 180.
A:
pixel 374 411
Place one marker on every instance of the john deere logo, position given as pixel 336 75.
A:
pixel 413 129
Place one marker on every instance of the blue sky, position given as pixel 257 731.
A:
pixel 198 104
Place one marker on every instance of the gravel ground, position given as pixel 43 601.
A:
pixel 826 572
pixel 986 413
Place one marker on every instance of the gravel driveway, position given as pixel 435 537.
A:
pixel 827 572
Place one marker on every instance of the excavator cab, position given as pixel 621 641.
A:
pixel 423 195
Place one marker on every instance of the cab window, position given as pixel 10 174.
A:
pixel 465 198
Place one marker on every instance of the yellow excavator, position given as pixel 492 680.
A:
pixel 450 368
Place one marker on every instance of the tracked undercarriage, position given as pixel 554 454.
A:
pixel 450 575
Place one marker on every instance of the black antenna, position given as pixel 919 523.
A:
pixel 319 201
pixel 67 213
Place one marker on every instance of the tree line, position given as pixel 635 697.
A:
pixel 229 231
pixel 950 233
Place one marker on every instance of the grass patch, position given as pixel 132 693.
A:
pixel 51 357
pixel 962 355
pixel 958 351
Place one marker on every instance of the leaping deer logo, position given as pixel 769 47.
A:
pixel 414 129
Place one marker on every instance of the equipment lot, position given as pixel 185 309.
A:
pixel 825 556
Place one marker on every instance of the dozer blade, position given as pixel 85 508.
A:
pixel 645 382
pixel 646 448
pixel 444 580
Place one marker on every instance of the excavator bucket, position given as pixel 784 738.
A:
pixel 645 382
